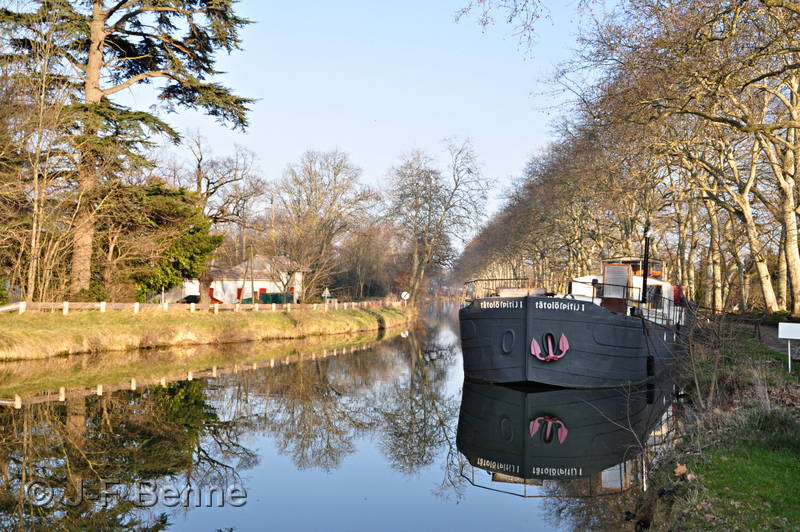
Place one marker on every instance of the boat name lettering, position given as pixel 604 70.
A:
pixel 561 305
pixel 558 471
pixel 497 466
pixel 501 304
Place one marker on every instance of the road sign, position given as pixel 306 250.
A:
pixel 405 296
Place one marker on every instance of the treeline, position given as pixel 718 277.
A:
pixel 355 240
pixel 689 120
pixel 92 209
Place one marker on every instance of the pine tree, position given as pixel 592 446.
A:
pixel 103 47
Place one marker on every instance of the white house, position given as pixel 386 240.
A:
pixel 260 274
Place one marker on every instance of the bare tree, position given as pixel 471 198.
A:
pixel 316 204
pixel 434 207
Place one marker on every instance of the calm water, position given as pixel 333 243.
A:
pixel 368 440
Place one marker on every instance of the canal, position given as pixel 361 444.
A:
pixel 380 434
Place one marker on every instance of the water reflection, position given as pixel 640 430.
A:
pixel 530 436
pixel 368 428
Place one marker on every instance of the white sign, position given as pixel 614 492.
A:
pixel 405 296
pixel 326 294
pixel 789 331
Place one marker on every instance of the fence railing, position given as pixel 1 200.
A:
pixel 657 308
pixel 67 307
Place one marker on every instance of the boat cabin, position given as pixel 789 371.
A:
pixel 637 265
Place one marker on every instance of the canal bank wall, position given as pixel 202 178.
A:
pixel 35 335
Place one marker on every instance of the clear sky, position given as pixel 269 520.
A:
pixel 378 78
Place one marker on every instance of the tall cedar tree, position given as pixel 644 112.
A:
pixel 104 47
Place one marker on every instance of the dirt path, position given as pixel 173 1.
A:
pixel 769 335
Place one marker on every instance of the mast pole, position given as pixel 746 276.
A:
pixel 646 271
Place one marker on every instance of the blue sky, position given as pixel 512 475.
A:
pixel 379 78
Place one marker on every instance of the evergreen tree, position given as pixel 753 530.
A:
pixel 103 47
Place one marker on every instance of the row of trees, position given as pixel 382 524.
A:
pixel 91 209
pixel 690 120
pixel 357 240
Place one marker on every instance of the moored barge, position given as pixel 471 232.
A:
pixel 622 326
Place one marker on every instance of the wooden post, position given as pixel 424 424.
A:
pixel 255 365
pixel 288 307
pixel 272 363
pixel 23 306
pixel 99 389
pixel 189 376
pixel 314 306
pixel 214 371
pixel 326 306
pixel 216 308
pixel 192 307
pixel 133 384
pixel 102 306
pixel 62 394
pixel 17 402
pixel 273 307
pixel 65 308
pixel 164 381
pixel 236 307
pixel 136 308
pixel 165 306
pixel 255 307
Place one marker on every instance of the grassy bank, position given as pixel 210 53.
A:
pixel 33 377
pixel 737 466
pixel 40 335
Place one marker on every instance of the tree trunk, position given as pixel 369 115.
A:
pixel 715 258
pixel 762 271
pixel 83 238
pixel 782 273
pixel 792 251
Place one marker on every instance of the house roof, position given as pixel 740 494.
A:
pixel 258 267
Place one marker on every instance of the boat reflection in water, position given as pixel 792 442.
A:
pixel 598 440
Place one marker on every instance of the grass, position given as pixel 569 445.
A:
pixel 742 451
pixel 752 481
pixel 41 334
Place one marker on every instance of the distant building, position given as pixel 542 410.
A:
pixel 273 279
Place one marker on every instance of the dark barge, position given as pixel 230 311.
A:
pixel 600 333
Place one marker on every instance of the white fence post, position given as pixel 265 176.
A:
pixel 23 306
pixel 216 308
pixel 136 308
pixel 65 308
pixel 192 307
pixel 102 306
pixel 273 307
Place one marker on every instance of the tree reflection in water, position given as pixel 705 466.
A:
pixel 191 433
pixel 317 412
